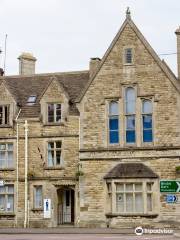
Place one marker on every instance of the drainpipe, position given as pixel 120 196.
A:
pixel 17 165
pixel 26 175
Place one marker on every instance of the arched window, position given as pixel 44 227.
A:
pixel 130 102
pixel 147 120
pixel 113 122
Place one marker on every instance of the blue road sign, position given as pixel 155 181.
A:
pixel 171 198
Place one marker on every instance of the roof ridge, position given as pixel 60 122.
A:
pixel 45 74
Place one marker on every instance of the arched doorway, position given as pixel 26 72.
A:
pixel 65 205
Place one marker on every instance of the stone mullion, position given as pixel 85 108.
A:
pixel 113 197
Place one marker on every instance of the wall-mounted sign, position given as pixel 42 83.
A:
pixel 47 208
pixel 169 186
pixel 171 198
pixel 1 183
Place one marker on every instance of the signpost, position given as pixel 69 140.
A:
pixel 170 186
pixel 171 198
pixel 47 208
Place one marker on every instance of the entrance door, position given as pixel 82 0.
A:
pixel 66 206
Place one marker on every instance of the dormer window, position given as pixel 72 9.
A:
pixel 128 56
pixel 54 112
pixel 31 100
pixel 4 115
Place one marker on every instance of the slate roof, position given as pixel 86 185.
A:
pixel 130 170
pixel 21 87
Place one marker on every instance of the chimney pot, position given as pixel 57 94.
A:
pixel 26 64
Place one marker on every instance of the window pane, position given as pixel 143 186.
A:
pixel 130 107
pixel 138 187
pixel 2 202
pixel 120 187
pixel 113 124
pixel 130 100
pixel 129 187
pixel 147 135
pixel 58 157
pixel 10 159
pixel 58 144
pixel 113 108
pixel 147 121
pixel 38 196
pixel 138 202
pixel 149 202
pixel 130 122
pixel 50 112
pixel 119 202
pixel 149 186
pixel 51 145
pixel 10 203
pixel 130 137
pixel 50 158
pixel 129 202
pixel 10 189
pixel 130 94
pixel 128 55
pixel 2 160
pixel 114 137
pixel 2 189
pixel 6 112
pixel 10 147
pixel 147 106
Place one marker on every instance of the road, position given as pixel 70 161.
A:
pixel 83 237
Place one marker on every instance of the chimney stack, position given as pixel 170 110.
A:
pixel 26 64
pixel 93 65
pixel 177 32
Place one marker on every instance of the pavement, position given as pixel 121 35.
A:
pixel 66 230
pixel 71 230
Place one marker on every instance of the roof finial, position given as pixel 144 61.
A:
pixel 128 13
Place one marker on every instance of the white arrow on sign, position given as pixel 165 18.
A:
pixel 178 190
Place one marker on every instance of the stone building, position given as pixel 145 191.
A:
pixel 90 148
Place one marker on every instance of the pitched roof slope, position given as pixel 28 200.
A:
pixel 161 64
pixel 21 87
pixel 130 170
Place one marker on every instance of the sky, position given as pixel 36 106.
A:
pixel 64 34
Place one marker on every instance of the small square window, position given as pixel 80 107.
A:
pixel 31 100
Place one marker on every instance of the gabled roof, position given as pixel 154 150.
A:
pixel 21 87
pixel 160 63
pixel 130 170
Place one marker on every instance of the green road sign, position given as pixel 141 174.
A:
pixel 169 186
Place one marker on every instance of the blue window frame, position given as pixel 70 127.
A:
pixel 113 122
pixel 130 102
pixel 147 121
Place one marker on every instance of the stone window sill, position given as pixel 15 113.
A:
pixel 37 209
pixel 147 215
pixel 11 214
pixel 5 126
pixel 7 169
pixel 53 124
pixel 54 168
